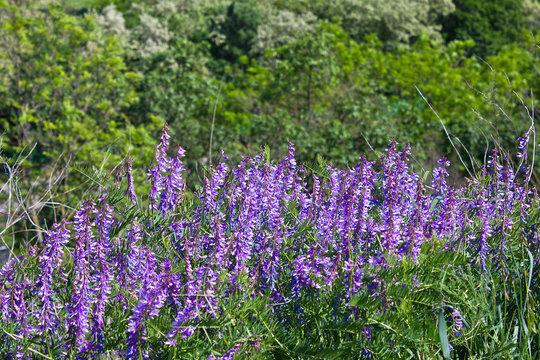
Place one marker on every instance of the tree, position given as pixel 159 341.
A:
pixel 491 24
pixel 65 87
pixel 239 28
pixel 395 22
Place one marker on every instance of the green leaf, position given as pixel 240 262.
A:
pixel 443 335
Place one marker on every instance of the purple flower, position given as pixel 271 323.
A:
pixel 101 275
pixel 256 232
pixel 290 158
pixel 131 187
pixel 439 176
pixel 229 355
pixel 160 165
pixel 165 176
pixel 523 143
pixel 174 185
pixel 152 298
pixel 484 212
pixel 458 322
pixel 12 302
pixel 49 262
pixel 83 293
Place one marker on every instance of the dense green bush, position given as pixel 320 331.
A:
pixel 491 24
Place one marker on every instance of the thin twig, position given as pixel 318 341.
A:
pixel 468 153
pixel 530 114
pixel 444 128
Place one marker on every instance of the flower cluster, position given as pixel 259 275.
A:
pixel 260 229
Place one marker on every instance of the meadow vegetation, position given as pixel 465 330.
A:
pixel 373 261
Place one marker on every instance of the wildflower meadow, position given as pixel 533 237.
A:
pixel 282 260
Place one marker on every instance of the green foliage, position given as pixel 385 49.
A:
pixel 179 89
pixel 341 99
pixel 63 85
pixel 282 27
pixel 85 4
pixel 239 29
pixel 395 22
pixel 491 24
pixel 66 87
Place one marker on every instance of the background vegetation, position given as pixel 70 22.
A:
pixel 85 83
